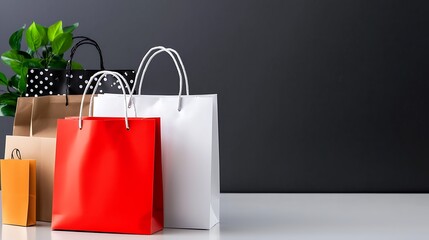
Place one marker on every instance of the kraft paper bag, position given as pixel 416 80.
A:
pixel 190 147
pixel 18 181
pixel 37 116
pixel 47 110
pixel 43 150
pixel 22 122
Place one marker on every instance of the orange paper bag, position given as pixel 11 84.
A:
pixel 42 149
pixel 18 183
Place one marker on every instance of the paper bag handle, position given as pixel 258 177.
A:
pixel 173 53
pixel 85 41
pixel 120 79
pixel 161 49
pixel 91 102
pixel 17 152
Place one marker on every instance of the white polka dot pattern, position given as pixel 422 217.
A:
pixel 43 82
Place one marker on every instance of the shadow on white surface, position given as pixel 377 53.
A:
pixel 43 232
pixel 285 217
pixel 166 234
pixel 18 233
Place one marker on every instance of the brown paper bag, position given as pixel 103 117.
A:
pixel 37 116
pixel 22 121
pixel 18 181
pixel 36 120
pixel 43 150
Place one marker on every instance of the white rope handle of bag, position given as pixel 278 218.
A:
pixel 91 102
pixel 142 63
pixel 147 55
pixel 104 72
pixel 170 51
pixel 173 53
pixel 183 68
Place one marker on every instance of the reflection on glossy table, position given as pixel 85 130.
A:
pixel 284 216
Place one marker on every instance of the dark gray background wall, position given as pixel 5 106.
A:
pixel 314 96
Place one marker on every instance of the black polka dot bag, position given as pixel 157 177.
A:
pixel 46 82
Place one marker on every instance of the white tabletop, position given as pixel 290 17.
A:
pixel 285 216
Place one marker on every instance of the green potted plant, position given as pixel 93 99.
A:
pixel 45 49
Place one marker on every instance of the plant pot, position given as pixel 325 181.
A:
pixel 6 126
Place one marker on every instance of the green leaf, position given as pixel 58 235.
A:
pixel 71 28
pixel 14 81
pixel 7 110
pixel 19 62
pixel 30 52
pixel 24 54
pixel 33 37
pixel 58 57
pixel 46 51
pixel 45 39
pixel 15 39
pixel 62 43
pixel 76 65
pixel 13 59
pixel 57 64
pixel 33 63
pixel 8 99
pixel 22 83
pixel 3 79
pixel 54 30
pixel 45 54
pixel 36 36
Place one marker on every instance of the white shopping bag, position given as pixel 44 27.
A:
pixel 190 147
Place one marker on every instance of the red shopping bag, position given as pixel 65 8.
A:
pixel 108 175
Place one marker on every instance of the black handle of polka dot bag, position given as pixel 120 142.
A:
pixel 84 41
pixel 73 51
